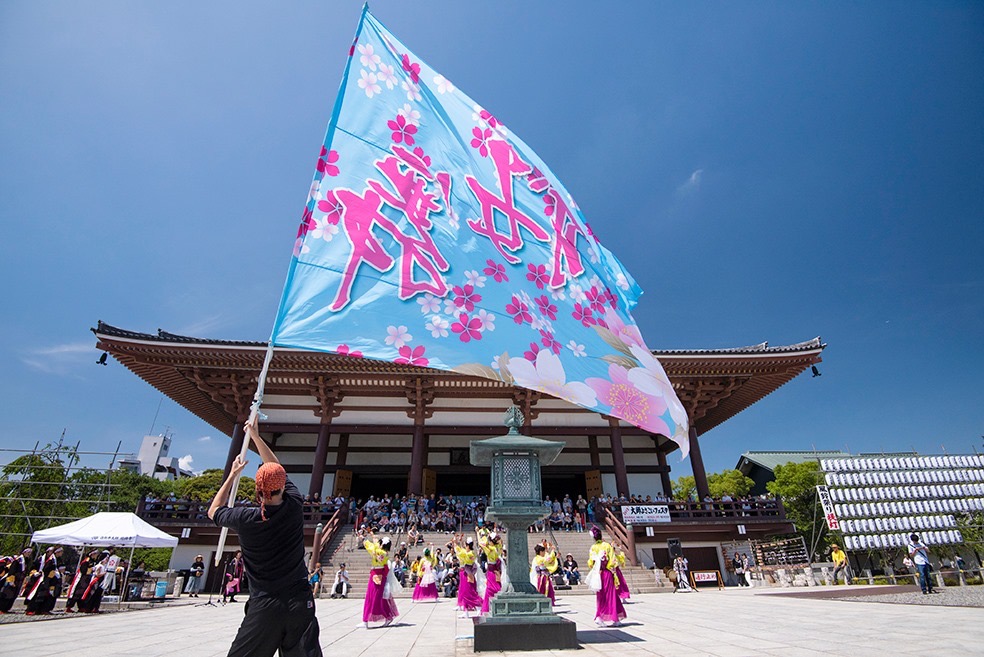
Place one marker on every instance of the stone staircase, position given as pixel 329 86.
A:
pixel 346 548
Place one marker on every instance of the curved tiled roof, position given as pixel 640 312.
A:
pixel 715 384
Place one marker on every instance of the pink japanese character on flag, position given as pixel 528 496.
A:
pixel 433 236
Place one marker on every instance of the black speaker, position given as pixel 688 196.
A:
pixel 675 548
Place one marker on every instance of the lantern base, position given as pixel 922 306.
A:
pixel 523 621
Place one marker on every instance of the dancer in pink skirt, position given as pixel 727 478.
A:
pixel 602 579
pixel 379 603
pixel 426 587
pixel 623 586
pixel 468 598
pixel 491 545
pixel 543 567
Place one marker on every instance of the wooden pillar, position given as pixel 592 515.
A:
pixel 320 454
pixel 418 460
pixel 593 448
pixel 618 458
pixel 697 463
pixel 664 475
pixel 235 446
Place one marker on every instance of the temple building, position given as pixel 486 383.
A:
pixel 352 426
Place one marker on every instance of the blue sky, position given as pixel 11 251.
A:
pixel 767 171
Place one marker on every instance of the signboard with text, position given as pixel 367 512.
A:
pixel 643 514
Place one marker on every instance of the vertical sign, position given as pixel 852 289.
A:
pixel 828 507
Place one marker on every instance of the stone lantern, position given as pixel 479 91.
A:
pixel 519 617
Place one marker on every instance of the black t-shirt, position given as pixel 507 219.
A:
pixel 273 550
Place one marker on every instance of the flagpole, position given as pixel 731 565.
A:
pixel 254 411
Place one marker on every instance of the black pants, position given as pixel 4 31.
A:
pixel 287 624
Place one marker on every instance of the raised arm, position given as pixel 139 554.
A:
pixel 222 496
pixel 262 448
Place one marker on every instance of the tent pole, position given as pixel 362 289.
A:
pixel 126 577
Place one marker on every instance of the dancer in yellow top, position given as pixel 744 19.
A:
pixel 544 565
pixel 602 578
pixel 491 545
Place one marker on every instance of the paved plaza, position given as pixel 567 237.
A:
pixel 729 623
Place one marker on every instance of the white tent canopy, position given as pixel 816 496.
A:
pixel 105 529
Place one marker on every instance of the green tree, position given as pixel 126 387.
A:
pixel 204 487
pixel 731 482
pixel 795 484
pixel 685 488
pixel 33 495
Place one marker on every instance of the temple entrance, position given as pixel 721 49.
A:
pixel 557 485
pixel 366 484
pixel 477 481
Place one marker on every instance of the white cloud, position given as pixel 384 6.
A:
pixel 692 184
pixel 205 439
pixel 61 358
pixel 185 462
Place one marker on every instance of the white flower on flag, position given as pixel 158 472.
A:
pixel 369 83
pixel 547 374
pixel 413 91
pixel 387 74
pixel 438 326
pixel 450 308
pixel 398 336
pixel 578 349
pixel 444 85
pixel 622 281
pixel 487 320
pixel 325 231
pixel 368 57
pixel 474 278
pixel 429 304
pixel 410 114
pixel 577 293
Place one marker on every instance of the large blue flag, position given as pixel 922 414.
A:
pixel 434 236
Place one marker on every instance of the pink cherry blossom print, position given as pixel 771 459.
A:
pixel 412 68
pixel 551 204
pixel 583 315
pixel 419 152
pixel 548 340
pixel 481 140
pixel 413 356
pixel 326 162
pixel 332 208
pixel 531 353
pixel 496 271
pixel 467 328
pixel 344 350
pixel 546 308
pixel 465 297
pixel 307 223
pixel 487 117
pixel 403 132
pixel 596 300
pixel 628 402
pixel 537 274
pixel 519 311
